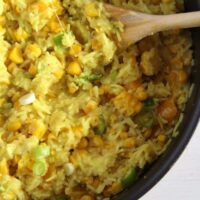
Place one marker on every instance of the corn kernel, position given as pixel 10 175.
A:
pixel 41 6
pixel 129 142
pixel 11 196
pixel 11 67
pixel 1 28
pixel 53 152
pixel 33 51
pixel 127 104
pixel 74 68
pixel 4 167
pixel 15 55
pixel 17 105
pixel 83 143
pixel 96 141
pixel 32 70
pixel 182 76
pixel 72 88
pixel 58 5
pixel 90 106
pixel 75 49
pixel 77 130
pixel 91 10
pixel 14 126
pixel 87 197
pixel 162 138
pixel 20 35
pixel 138 107
pixel 54 26
pixel 59 74
pixel 123 135
pixel 37 128
pixel 140 93
pixel 113 189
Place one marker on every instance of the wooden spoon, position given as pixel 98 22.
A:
pixel 139 25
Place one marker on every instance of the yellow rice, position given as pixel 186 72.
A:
pixel 80 129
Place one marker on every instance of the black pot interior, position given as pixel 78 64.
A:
pixel 158 169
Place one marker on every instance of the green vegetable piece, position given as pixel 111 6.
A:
pixel 58 39
pixel 146 119
pixel 129 178
pixel 39 168
pixel 92 77
pixel 149 104
pixel 41 152
pixel 101 128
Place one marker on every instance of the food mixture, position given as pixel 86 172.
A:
pixel 80 118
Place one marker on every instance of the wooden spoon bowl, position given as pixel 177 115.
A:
pixel 139 25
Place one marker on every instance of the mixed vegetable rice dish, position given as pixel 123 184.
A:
pixel 80 117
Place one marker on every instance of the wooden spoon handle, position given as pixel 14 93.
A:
pixel 178 21
pixel 138 26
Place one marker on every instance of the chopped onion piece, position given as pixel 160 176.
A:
pixel 27 99
pixel 69 168
pixel 41 152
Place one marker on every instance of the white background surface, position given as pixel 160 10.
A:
pixel 182 182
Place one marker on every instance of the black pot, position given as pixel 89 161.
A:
pixel 187 127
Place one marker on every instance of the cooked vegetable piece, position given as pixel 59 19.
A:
pixel 168 110
pixel 101 128
pixel 92 77
pixel 149 103
pixel 129 178
pixel 40 168
pixel 41 152
pixel 58 39
pixel 146 119
pixel 74 68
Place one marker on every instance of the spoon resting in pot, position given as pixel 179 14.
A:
pixel 139 25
